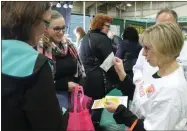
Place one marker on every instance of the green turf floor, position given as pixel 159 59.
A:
pixel 107 120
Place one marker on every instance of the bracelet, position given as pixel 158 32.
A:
pixel 133 125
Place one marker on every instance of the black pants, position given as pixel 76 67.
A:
pixel 96 115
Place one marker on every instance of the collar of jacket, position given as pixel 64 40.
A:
pixel 97 31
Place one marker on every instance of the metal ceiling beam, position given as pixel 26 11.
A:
pixel 89 4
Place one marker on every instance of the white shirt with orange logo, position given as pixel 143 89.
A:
pixel 161 102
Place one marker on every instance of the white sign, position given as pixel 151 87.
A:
pixel 108 62
pixel 115 29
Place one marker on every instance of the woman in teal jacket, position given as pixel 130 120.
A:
pixel 28 95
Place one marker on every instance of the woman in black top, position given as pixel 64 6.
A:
pixel 129 49
pixel 67 67
pixel 95 48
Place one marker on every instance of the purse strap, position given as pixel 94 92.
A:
pixel 90 46
pixel 104 76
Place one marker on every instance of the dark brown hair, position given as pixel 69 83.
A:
pixel 130 33
pixel 99 21
pixel 81 31
pixel 167 10
pixel 17 18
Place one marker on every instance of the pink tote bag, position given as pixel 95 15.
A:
pixel 79 117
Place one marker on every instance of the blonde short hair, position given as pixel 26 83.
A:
pixel 166 39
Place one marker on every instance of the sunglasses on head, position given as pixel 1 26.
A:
pixel 59 28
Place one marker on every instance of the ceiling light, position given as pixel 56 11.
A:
pixel 70 6
pixel 65 6
pixel 58 5
pixel 129 5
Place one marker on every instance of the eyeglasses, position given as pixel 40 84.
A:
pixel 47 23
pixel 107 26
pixel 59 28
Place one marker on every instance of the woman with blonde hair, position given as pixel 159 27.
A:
pixel 159 101
pixel 67 66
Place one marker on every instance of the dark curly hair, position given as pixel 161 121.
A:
pixel 130 33
pixel 17 18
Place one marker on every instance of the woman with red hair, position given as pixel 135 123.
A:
pixel 95 48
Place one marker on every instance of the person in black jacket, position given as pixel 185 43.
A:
pixel 28 100
pixel 95 48
pixel 129 49
pixel 67 65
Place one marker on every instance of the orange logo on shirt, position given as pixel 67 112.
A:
pixel 150 90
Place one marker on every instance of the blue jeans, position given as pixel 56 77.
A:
pixel 62 98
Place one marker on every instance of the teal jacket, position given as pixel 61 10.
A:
pixel 28 100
